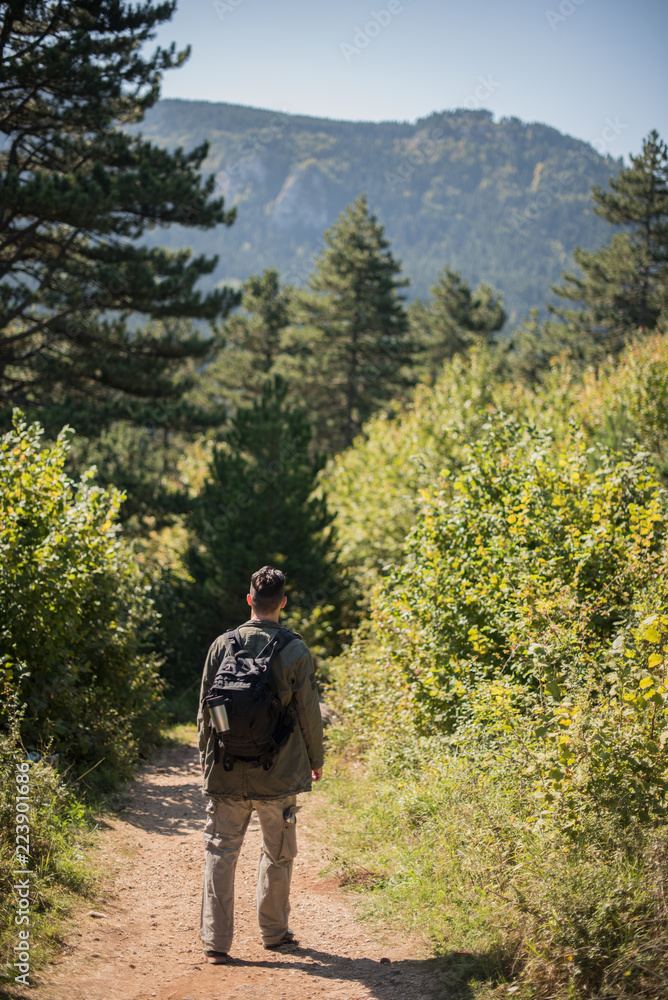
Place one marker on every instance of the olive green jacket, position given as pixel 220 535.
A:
pixel 294 674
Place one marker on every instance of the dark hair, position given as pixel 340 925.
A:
pixel 267 589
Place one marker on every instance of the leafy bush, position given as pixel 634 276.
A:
pixel 629 399
pixel 508 694
pixel 526 565
pixel 72 611
pixel 511 701
pixel 374 485
pixel 518 626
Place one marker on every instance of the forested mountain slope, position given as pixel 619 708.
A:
pixel 505 202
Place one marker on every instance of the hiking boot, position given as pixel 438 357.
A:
pixel 217 957
pixel 287 939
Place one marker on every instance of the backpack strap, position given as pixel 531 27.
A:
pixel 277 643
pixel 229 640
pixel 232 642
pixel 287 724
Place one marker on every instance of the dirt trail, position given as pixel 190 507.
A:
pixel 147 943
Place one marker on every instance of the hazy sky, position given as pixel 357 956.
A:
pixel 595 69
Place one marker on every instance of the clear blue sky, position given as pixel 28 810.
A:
pixel 595 69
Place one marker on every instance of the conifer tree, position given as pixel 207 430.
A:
pixel 355 346
pixel 624 286
pixel 76 195
pixel 453 319
pixel 257 508
pixel 255 341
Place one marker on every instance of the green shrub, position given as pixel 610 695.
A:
pixel 528 571
pixel 374 485
pixel 508 695
pixel 628 399
pixel 511 910
pixel 72 612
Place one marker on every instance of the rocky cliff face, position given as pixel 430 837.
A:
pixel 240 178
pixel 302 201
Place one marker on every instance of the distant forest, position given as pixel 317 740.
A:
pixel 503 202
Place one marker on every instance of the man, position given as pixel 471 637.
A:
pixel 269 787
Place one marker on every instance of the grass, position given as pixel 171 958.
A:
pixel 61 831
pixel 179 734
pixel 510 912
pixel 398 843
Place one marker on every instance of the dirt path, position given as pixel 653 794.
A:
pixel 147 943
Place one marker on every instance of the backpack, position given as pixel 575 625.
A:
pixel 258 723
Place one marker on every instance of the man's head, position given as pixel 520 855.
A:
pixel 267 592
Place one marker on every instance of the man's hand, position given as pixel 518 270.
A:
pixel 316 774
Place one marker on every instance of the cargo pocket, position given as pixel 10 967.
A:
pixel 289 839
pixel 226 825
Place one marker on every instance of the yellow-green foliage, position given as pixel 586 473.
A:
pixel 72 609
pixel 530 542
pixel 518 611
pixel 374 485
pixel 509 692
pixel 630 398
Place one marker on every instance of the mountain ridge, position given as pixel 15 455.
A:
pixel 501 201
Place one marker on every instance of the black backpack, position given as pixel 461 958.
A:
pixel 258 723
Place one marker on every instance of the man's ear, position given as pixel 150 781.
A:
pixel 249 600
pixel 284 601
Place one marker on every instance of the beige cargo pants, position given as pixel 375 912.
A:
pixel 224 832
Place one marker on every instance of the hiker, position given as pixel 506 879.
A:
pixel 264 773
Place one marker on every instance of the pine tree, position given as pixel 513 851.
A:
pixel 258 508
pixel 255 342
pixel 355 347
pixel 76 195
pixel 624 286
pixel 453 319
